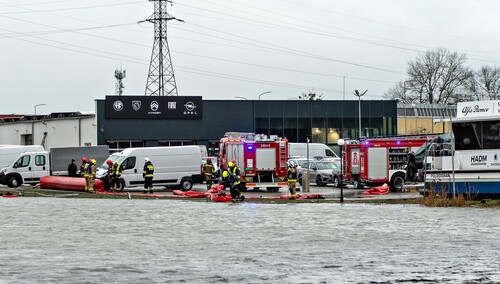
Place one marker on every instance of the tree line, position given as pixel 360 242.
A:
pixel 441 77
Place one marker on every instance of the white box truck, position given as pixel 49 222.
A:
pixel 316 150
pixel 173 166
pixel 29 167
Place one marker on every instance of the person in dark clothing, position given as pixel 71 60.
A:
pixel 234 179
pixel 292 180
pixel 148 175
pixel 411 168
pixel 72 169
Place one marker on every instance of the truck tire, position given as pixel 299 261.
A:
pixel 186 184
pixel 397 182
pixel 14 182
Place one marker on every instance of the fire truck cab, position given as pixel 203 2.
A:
pixel 377 161
pixel 262 159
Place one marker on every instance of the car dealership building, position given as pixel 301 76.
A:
pixel 136 121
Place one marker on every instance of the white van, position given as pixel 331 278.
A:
pixel 29 167
pixel 316 150
pixel 176 165
pixel 9 153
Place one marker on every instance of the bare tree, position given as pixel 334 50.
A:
pixel 309 96
pixel 436 76
pixel 485 84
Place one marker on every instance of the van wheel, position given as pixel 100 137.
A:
pixel 14 182
pixel 121 185
pixel 186 184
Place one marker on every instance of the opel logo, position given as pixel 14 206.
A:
pixel 154 105
pixel 118 105
pixel 190 106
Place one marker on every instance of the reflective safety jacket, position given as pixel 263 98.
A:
pixel 116 172
pixel 234 175
pixel 208 169
pixel 148 170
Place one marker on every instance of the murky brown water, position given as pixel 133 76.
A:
pixel 52 240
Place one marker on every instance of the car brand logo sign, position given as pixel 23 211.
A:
pixel 136 105
pixel 154 105
pixel 118 105
pixel 190 106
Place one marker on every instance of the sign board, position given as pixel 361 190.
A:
pixel 153 107
pixel 478 109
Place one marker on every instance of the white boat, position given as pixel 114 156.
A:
pixel 467 162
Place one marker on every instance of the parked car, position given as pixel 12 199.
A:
pixel 299 162
pixel 336 175
pixel 320 172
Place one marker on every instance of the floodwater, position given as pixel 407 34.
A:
pixel 56 240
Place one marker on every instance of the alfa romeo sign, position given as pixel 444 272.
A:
pixel 144 107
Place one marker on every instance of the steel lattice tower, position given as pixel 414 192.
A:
pixel 161 80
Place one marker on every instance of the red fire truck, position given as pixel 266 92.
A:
pixel 262 159
pixel 379 160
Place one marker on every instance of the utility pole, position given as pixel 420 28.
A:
pixel 161 80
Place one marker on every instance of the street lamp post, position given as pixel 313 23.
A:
pixel 359 95
pixel 38 106
pixel 264 94
pixel 341 143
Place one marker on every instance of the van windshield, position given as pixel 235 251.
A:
pixel 113 158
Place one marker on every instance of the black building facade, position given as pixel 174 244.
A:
pixel 321 121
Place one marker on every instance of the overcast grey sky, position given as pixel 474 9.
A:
pixel 63 53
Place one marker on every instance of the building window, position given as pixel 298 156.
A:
pixel 276 126
pixel 291 129
pixel 27 139
pixel 117 146
pixel 176 142
pixel 262 125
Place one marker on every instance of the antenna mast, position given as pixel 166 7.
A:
pixel 119 75
pixel 161 80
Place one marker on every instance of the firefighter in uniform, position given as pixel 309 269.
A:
pixel 91 175
pixel 225 178
pixel 148 175
pixel 292 180
pixel 83 166
pixel 110 170
pixel 234 179
pixel 116 173
pixel 208 172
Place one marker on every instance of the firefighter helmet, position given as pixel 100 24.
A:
pixel 109 162
pixel 84 159
pixel 92 161
pixel 234 161
pixel 146 159
pixel 230 164
pixel 209 160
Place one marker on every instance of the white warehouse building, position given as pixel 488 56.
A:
pixel 62 129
